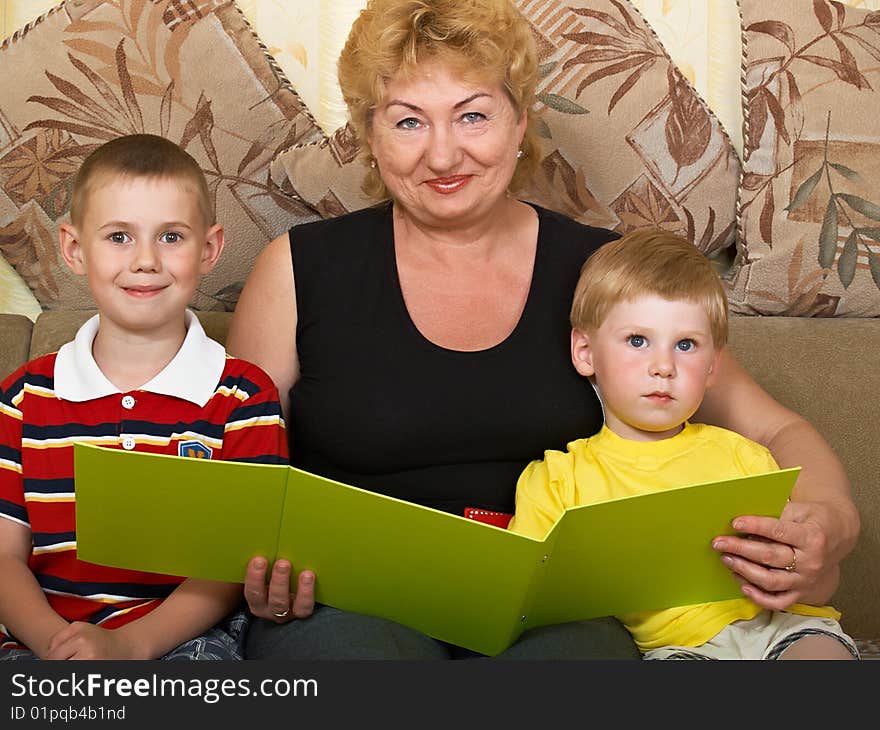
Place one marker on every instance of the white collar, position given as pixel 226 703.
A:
pixel 193 373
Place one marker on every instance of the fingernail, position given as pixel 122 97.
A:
pixel 308 580
pixel 738 525
pixel 727 560
pixel 282 568
pixel 259 563
pixel 716 544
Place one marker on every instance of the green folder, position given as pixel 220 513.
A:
pixel 458 580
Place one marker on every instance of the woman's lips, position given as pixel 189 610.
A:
pixel 448 185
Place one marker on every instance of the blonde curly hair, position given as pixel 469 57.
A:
pixel 481 39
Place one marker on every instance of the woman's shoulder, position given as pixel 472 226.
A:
pixel 343 241
pixel 340 225
pixel 561 229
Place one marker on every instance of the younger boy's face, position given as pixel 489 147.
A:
pixel 144 245
pixel 651 359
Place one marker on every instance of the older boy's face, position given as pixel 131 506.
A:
pixel 651 359
pixel 144 245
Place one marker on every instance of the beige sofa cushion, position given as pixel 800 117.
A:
pixel 826 370
pixel 53 328
pixel 15 339
pixel 627 141
pixel 193 72
pixel 810 206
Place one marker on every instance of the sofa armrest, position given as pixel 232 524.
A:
pixel 828 371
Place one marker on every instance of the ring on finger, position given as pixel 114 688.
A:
pixel 282 614
pixel 793 564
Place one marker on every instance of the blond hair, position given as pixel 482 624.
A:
pixel 643 263
pixel 139 156
pixel 481 39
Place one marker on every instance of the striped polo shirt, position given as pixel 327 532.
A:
pixel 203 404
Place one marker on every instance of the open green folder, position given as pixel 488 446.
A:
pixel 461 581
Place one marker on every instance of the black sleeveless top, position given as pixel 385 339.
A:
pixel 380 407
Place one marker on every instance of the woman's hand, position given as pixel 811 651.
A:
pixel 783 561
pixel 817 529
pixel 276 602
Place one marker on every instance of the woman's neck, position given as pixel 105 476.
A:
pixel 470 242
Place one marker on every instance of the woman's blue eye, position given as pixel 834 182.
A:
pixel 170 237
pixel 636 340
pixel 408 123
pixel 686 345
pixel 118 237
pixel 473 117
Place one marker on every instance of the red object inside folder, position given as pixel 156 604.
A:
pixel 499 519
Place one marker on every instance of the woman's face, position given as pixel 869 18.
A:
pixel 446 147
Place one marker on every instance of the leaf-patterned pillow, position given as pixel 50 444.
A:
pixel 628 142
pixel 809 208
pixel 85 73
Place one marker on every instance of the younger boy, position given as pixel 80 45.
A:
pixel 649 322
pixel 140 375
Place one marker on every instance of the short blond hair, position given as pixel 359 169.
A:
pixel 643 263
pixel 139 156
pixel 481 39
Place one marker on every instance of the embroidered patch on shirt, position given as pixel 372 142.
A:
pixel 194 450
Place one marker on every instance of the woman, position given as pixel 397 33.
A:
pixel 424 342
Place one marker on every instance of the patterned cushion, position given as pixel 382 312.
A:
pixel 627 140
pixel 809 202
pixel 89 71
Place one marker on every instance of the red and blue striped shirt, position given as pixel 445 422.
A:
pixel 204 404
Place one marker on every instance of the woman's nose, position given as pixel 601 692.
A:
pixel 444 151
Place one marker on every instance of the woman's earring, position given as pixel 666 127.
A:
pixel 519 154
pixel 373 162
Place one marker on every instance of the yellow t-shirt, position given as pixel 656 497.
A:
pixel 607 466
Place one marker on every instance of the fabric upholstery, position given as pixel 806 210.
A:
pixel 15 340
pixel 192 72
pixel 826 370
pixel 809 207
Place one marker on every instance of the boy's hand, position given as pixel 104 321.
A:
pixel 81 640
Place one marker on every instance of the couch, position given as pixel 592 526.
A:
pixel 839 394
pixel 805 322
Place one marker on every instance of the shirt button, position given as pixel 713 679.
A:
pixel 127 401
pixel 128 443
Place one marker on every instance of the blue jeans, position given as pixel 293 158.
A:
pixel 225 641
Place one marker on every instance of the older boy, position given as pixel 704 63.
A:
pixel 649 321
pixel 139 375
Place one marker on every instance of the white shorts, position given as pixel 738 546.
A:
pixel 764 637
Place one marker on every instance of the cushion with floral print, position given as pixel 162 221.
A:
pixel 809 220
pixel 89 71
pixel 627 141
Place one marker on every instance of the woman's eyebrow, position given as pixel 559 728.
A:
pixel 416 108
